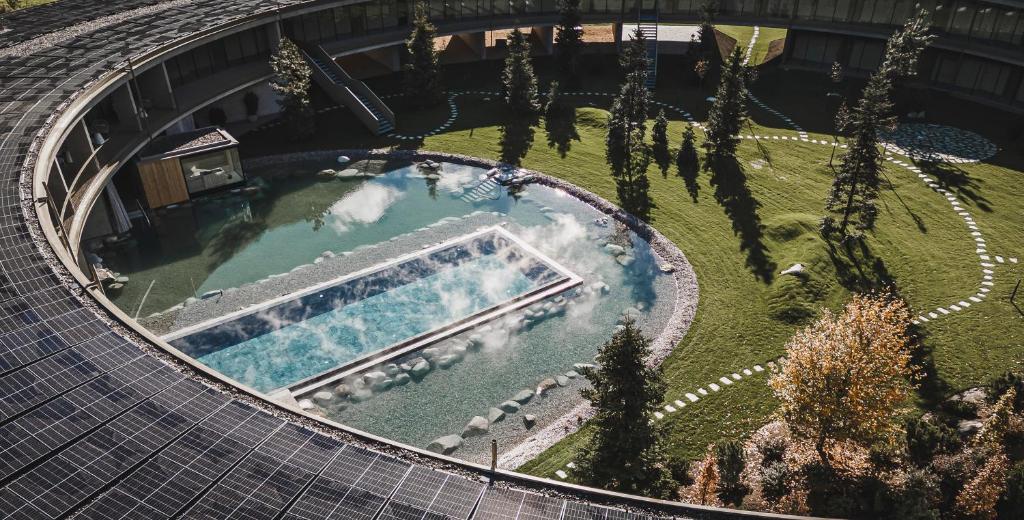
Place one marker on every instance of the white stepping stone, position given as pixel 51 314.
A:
pixel 980 250
pixel 702 391
pixel 988 283
pixel 983 292
pixel 669 408
pixel 1013 260
pixel 922 318
pixel 747 372
pixel 915 322
pixel 943 311
pixel 680 404
pixel 659 415
pixel 984 257
pixel 757 368
pixel 932 315
pixel 956 308
pixel 736 377
pixel 987 277
pixel 693 398
pixel 976 233
pixel 571 465
pixel 714 387
pixel 1000 259
pixel 975 299
pixel 561 474
pixel 725 381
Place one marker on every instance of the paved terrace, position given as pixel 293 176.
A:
pixel 97 424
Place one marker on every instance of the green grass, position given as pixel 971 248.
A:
pixel 920 244
pixel 742 35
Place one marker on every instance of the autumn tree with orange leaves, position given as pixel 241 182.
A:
pixel 847 375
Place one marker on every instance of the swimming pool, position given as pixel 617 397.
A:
pixel 372 314
pixel 302 230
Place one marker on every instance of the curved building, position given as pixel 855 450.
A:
pixel 98 419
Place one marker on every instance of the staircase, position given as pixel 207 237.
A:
pixel 348 91
pixel 481 191
pixel 647 22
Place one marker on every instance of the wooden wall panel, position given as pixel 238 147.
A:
pixel 163 182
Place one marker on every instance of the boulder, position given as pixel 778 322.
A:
pixel 529 421
pixel 326 173
pixel 523 396
pixel 432 354
pixel 402 379
pixel 445 445
pixel 374 378
pixel 447 360
pixel 475 342
pixel 572 374
pixel 666 268
pixel 561 380
pixel 420 369
pixel 794 269
pixel 625 260
pixel 509 407
pixel 582 366
pixel 323 397
pixel 343 159
pixel 360 395
pixel 306 404
pixel 615 250
pixel 494 415
pixel 391 369
pixel 975 396
pixel 545 385
pixel 966 427
pixel 476 427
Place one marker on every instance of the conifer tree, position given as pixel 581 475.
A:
pixel 292 83
pixel 687 159
pixel 728 111
pixel 627 119
pixel 423 71
pixel 731 461
pixel 855 188
pixel 659 140
pixel 625 452
pixel 519 84
pixel 708 44
pixel 569 41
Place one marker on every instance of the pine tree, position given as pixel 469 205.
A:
pixel 855 188
pixel 687 159
pixel 625 452
pixel 627 119
pixel 569 41
pixel 423 71
pixel 519 84
pixel 708 44
pixel 292 83
pixel 727 112
pixel 659 134
pixel 731 461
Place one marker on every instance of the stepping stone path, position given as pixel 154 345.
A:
pixel 931 142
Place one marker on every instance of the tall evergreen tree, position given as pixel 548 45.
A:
pixel 855 188
pixel 423 71
pixel 519 84
pixel 708 43
pixel 727 112
pixel 292 83
pixel 659 141
pixel 569 41
pixel 625 453
pixel 627 119
pixel 687 159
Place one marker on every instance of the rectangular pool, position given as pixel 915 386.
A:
pixel 376 313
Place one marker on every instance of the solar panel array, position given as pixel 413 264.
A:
pixel 92 425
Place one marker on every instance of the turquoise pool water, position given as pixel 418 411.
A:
pixel 312 345
pixel 236 240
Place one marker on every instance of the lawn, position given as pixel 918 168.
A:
pixel 737 248
pixel 743 33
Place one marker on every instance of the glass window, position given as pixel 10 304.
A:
pixel 1020 93
pixel 389 13
pixel 805 9
pixel 780 8
pixel 992 79
pixel 1006 25
pixel 945 72
pixel 342 22
pixel 373 16
pixel 843 11
pixel 864 11
pixel 967 76
pixel 825 10
pixel 326 21
pixel 985 22
pixel 883 12
pixel 902 11
pixel 963 17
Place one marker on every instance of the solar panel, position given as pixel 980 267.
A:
pixel 499 504
pixel 426 493
pixel 353 486
pixel 537 507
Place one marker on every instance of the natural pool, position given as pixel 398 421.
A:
pixel 237 240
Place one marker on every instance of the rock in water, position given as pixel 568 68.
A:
pixel 445 445
pixel 546 385
pixel 529 421
pixel 562 380
pixel 343 159
pixel 477 426
pixel 509 407
pixel 420 369
pixel 494 415
pixel 323 397
pixel 523 396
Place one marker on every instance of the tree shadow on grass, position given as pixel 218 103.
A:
pixel 741 207
pixel 857 267
pixel 918 221
pixel 517 136
pixel 689 175
pixel 931 389
pixel 956 180
pixel 561 131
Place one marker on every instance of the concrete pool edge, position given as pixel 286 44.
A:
pixel 673 331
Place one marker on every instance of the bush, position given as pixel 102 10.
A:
pixel 917 498
pixel 679 467
pixel 1003 384
pixel 925 440
pixel 1011 504
pixel 731 461
pixel 960 409
pixel 772 450
pixel 775 481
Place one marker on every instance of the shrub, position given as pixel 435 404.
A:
pixel 960 409
pixel 775 481
pixel 772 450
pixel 1003 384
pixel 916 499
pixel 731 461
pixel 679 467
pixel 1011 504
pixel 925 440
